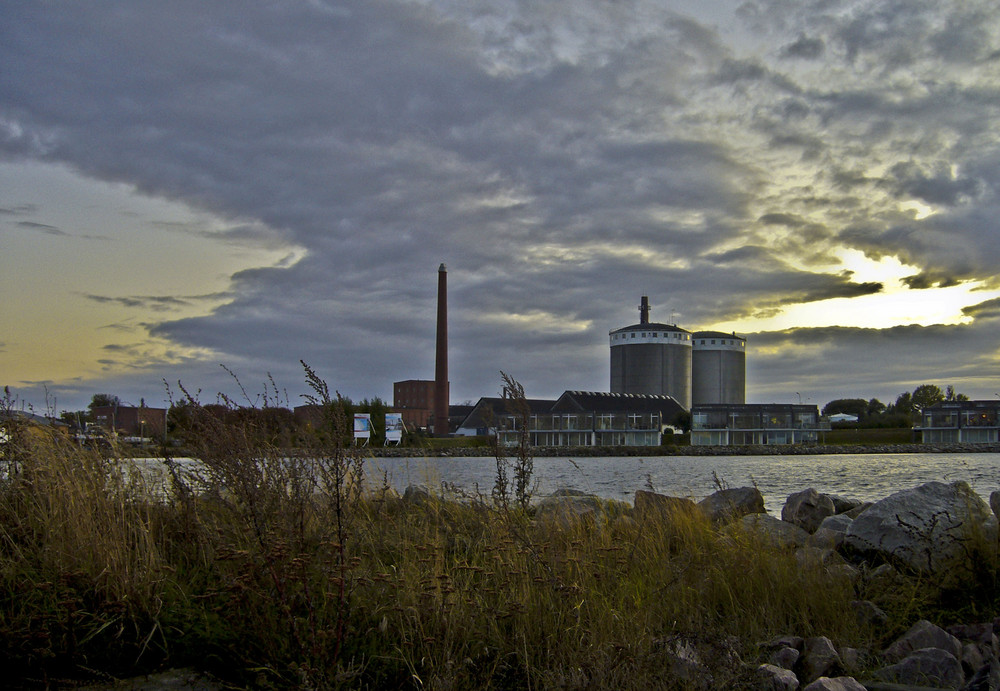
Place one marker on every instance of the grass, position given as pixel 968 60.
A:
pixel 273 572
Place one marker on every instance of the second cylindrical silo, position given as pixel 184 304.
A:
pixel 718 368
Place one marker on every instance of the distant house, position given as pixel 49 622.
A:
pixel 414 398
pixel 971 422
pixel 131 421
pixel 843 417
pixel 751 424
pixel 483 417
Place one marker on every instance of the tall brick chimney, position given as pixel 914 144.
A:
pixel 441 360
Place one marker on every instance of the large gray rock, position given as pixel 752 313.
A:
pixel 929 667
pixel 650 504
pixel 831 532
pixel 995 502
pixel 819 659
pixel 730 504
pixel 844 504
pixel 772 678
pixel 807 509
pixel 921 635
pixel 568 506
pixel 777 532
pixel 923 528
pixel 835 684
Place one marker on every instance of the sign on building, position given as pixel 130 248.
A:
pixel 362 428
pixel 393 428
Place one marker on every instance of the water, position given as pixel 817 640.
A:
pixel 866 477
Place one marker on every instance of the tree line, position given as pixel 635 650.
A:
pixel 903 412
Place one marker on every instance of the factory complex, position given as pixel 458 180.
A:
pixel 663 379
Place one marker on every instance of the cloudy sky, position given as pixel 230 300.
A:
pixel 191 187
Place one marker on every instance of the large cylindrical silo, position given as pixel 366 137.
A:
pixel 718 368
pixel 651 358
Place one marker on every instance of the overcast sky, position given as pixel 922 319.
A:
pixel 192 185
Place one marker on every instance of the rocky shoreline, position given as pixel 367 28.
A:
pixel 930 530
pixel 758 450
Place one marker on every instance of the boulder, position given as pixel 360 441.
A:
pixel 416 494
pixel 650 504
pixel 922 528
pixel 730 504
pixel 931 667
pixel 785 657
pixel 772 678
pixel 775 531
pixel 568 506
pixel 869 614
pixel 986 678
pixel 838 523
pixel 922 635
pixel 843 504
pixel 831 532
pixel 995 502
pixel 819 659
pixel 835 684
pixel 807 509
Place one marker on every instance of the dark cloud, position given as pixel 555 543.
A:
pixel 561 158
pixel 41 227
pixel 154 303
pixel 805 48
pixel 18 210
pixel 940 186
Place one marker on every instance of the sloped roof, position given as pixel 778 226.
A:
pixel 478 417
pixel 603 402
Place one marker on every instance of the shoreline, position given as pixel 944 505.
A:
pixel 755 450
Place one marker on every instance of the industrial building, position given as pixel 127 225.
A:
pixel 704 367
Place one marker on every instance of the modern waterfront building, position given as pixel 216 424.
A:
pixel 578 418
pixel 971 422
pixel 756 423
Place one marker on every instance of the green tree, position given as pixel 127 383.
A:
pixel 925 396
pixel 903 404
pixel 951 395
pixel 875 408
pixel 851 406
pixel 103 399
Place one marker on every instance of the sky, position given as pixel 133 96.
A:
pixel 201 195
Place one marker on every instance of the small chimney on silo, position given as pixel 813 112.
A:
pixel 441 360
pixel 644 310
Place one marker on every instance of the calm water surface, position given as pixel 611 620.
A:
pixel 863 477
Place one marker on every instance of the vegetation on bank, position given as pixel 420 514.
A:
pixel 273 572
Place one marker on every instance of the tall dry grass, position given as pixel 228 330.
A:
pixel 291 572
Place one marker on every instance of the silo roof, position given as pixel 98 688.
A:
pixel 651 326
pixel 716 334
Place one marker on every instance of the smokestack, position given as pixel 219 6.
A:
pixel 441 360
pixel 644 310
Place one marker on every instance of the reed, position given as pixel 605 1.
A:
pixel 277 572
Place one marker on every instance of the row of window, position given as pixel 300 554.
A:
pixel 679 336
pixel 654 334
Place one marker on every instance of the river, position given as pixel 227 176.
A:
pixel 865 477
